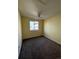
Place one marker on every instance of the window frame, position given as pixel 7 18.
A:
pixel 34 25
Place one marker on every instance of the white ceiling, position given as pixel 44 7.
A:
pixel 47 8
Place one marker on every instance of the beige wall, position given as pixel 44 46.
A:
pixel 26 33
pixel 19 33
pixel 52 28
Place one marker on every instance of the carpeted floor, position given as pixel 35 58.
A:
pixel 40 48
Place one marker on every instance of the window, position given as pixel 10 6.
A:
pixel 34 25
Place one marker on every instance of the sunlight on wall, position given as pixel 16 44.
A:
pixel 26 33
pixel 52 28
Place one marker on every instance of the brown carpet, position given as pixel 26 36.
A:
pixel 40 48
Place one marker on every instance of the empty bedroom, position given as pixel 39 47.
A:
pixel 39 29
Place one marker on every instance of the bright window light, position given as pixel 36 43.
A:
pixel 34 25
